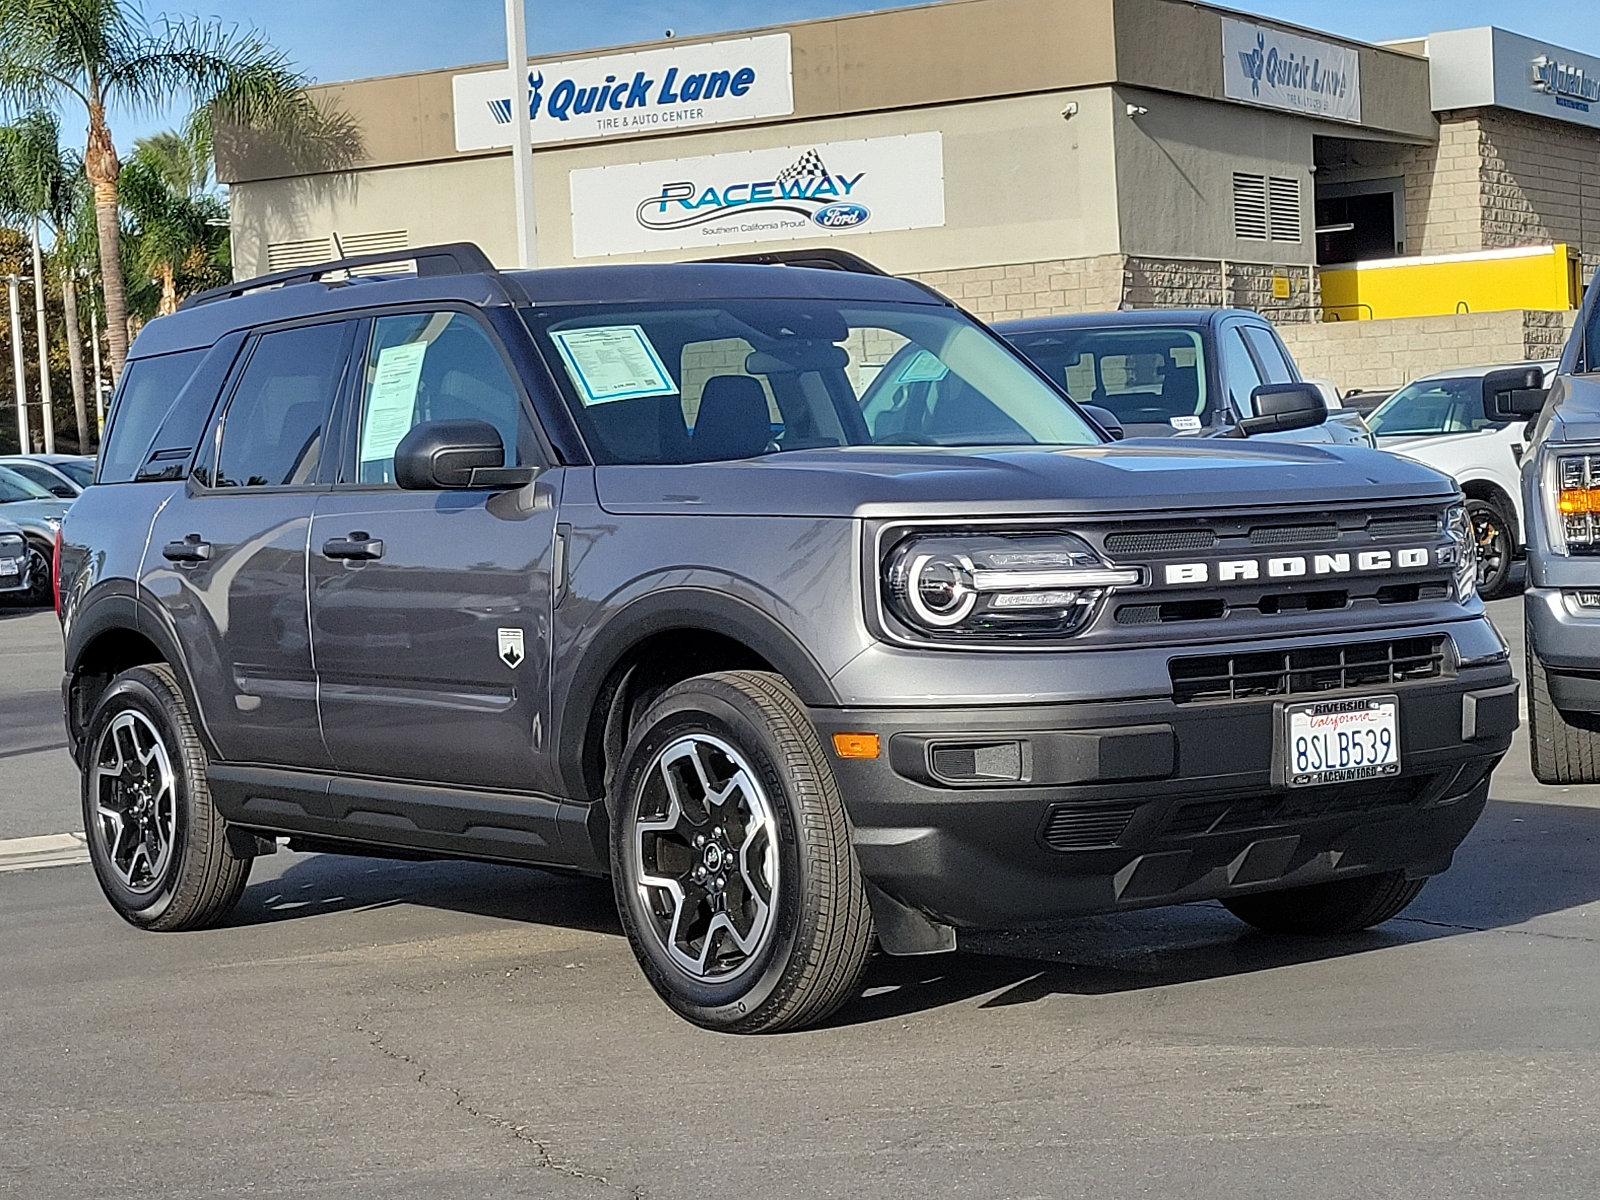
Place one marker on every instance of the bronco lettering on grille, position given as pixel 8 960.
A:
pixel 1296 566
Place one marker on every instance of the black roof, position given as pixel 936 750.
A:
pixel 290 295
pixel 1195 318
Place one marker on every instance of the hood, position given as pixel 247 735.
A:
pixel 34 515
pixel 1121 477
pixel 1424 445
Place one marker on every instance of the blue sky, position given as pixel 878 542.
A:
pixel 350 39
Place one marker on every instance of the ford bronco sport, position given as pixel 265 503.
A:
pixel 639 571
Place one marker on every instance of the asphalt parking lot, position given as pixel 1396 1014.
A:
pixel 365 1028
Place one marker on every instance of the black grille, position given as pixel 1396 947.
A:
pixel 1293 535
pixel 1173 610
pixel 1086 828
pixel 1254 812
pixel 1307 669
pixel 1160 540
pixel 1403 527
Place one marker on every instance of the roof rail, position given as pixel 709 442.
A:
pixel 454 258
pixel 826 258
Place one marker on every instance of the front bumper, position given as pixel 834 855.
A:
pixel 1139 803
pixel 1566 640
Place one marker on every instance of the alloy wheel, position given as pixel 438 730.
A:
pixel 705 847
pixel 1493 545
pixel 135 792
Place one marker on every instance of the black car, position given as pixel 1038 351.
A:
pixel 640 571
pixel 1173 372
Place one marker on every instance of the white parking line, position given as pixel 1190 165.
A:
pixel 51 850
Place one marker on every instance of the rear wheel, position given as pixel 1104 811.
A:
pixel 159 847
pixel 1491 529
pixel 1563 750
pixel 1342 906
pixel 735 877
pixel 41 590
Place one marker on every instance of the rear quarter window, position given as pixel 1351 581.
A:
pixel 148 390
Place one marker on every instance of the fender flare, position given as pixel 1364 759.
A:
pixel 687 608
pixel 120 607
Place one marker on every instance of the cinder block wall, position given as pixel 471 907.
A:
pixel 1376 354
pixel 1111 281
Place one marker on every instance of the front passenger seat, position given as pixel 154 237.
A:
pixel 733 421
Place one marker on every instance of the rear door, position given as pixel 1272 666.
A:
pixel 431 610
pixel 227 554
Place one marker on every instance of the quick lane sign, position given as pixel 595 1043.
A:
pixel 1284 70
pixel 625 95
pixel 804 191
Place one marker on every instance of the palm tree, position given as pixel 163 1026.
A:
pixel 179 231
pixel 96 53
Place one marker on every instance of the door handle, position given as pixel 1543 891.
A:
pixel 190 550
pixel 357 546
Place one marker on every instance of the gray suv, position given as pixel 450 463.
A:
pixel 638 571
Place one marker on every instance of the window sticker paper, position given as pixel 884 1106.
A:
pixel 924 367
pixel 392 400
pixel 613 362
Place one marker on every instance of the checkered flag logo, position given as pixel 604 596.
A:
pixel 807 166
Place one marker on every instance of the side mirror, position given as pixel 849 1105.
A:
pixel 1281 407
pixel 1106 419
pixel 1513 392
pixel 456 456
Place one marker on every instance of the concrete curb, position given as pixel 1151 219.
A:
pixel 51 850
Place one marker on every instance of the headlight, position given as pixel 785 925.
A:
pixel 1464 551
pixel 976 587
pixel 1571 487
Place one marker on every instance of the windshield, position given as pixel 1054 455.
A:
pixel 1432 406
pixel 80 471
pixel 1146 376
pixel 14 487
pixel 727 379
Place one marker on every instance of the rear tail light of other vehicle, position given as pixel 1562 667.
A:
pixel 55 571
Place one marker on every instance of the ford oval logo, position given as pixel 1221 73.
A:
pixel 841 216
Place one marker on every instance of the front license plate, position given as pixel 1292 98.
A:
pixel 1337 741
pixel 10 566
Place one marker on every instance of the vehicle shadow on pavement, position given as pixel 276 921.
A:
pixel 1523 861
pixel 316 884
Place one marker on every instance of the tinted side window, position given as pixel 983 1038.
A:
pixel 149 388
pixel 1239 372
pixel 1274 365
pixel 431 367
pixel 272 433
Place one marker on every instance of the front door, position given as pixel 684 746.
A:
pixel 227 555
pixel 430 611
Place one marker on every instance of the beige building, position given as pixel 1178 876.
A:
pixel 1025 156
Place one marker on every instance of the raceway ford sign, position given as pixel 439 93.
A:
pixel 625 95
pixel 805 191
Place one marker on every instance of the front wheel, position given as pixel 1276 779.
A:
pixel 1342 906
pixel 1491 529
pixel 158 845
pixel 41 589
pixel 731 857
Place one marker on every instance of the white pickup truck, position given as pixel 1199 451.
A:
pixel 1439 421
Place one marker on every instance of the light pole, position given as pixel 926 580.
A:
pixel 49 421
pixel 521 130
pixel 99 381
pixel 24 443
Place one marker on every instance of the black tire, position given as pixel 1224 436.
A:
pixel 41 589
pixel 198 878
pixel 816 933
pixel 1497 547
pixel 1562 750
pixel 1342 906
